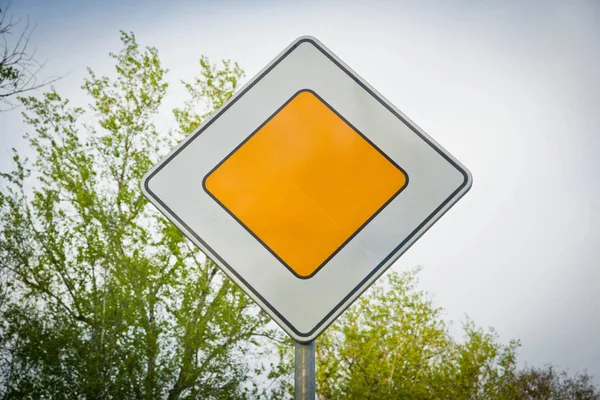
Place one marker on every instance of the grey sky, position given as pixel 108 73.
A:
pixel 511 89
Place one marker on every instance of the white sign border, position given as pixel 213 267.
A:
pixel 377 271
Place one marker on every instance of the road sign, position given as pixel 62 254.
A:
pixel 305 187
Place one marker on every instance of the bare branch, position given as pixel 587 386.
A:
pixel 19 69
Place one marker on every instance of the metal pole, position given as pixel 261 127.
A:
pixel 304 376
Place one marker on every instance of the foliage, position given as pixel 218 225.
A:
pixel 101 296
pixel 393 343
pixel 548 384
pixel 212 89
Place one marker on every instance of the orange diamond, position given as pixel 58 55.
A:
pixel 304 183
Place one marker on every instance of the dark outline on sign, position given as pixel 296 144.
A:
pixel 392 197
pixel 396 249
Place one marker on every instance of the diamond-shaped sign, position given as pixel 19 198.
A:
pixel 305 187
pixel 290 183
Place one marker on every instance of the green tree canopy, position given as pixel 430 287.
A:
pixel 393 343
pixel 101 297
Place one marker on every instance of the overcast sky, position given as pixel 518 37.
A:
pixel 510 88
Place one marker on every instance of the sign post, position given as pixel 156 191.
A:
pixel 304 371
pixel 304 188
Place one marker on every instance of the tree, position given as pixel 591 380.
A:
pixel 548 384
pixel 18 66
pixel 101 297
pixel 393 343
